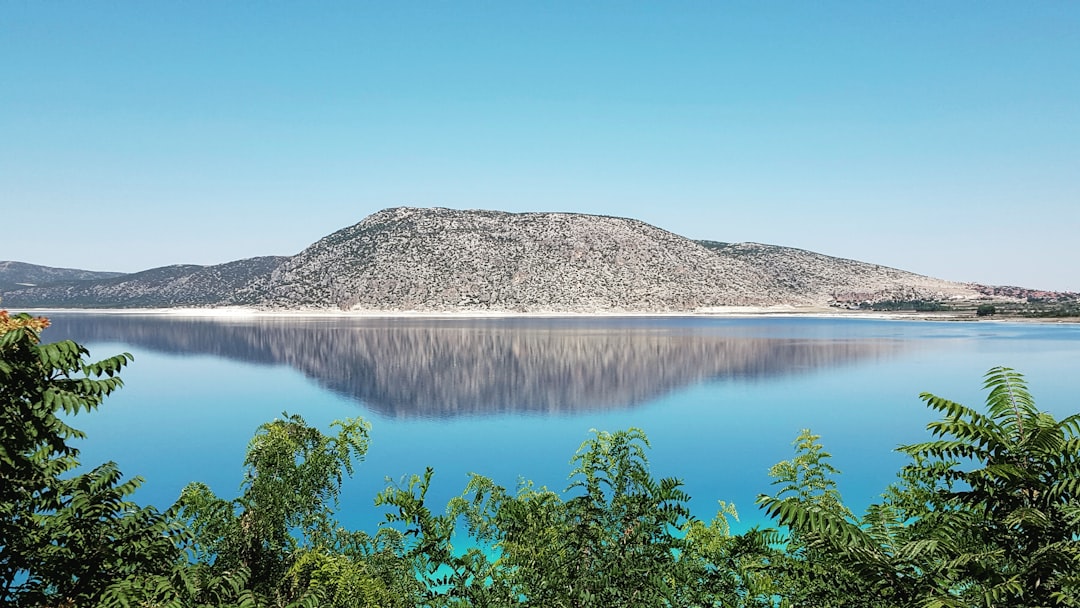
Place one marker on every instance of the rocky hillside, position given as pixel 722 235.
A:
pixel 449 260
pixel 443 259
pixel 14 275
pixel 168 286
pixel 838 280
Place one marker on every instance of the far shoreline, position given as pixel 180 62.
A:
pixel 780 311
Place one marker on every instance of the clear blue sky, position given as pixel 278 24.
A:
pixel 937 137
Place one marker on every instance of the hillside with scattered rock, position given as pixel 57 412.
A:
pixel 443 259
pixel 446 260
pixel 841 281
pixel 16 275
pixel 165 287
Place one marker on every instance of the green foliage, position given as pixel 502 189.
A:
pixel 985 310
pixel 1011 479
pixel 184 586
pixel 986 514
pixel 280 534
pixel 446 577
pixel 64 536
pixel 361 572
pixel 725 570
pixel 622 524
pixel 1053 310
pixel 278 544
pixel 808 570
pixel 914 305
pixel 614 542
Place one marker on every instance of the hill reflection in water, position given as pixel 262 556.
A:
pixel 441 368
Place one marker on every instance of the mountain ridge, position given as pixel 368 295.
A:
pixel 14 275
pixel 446 260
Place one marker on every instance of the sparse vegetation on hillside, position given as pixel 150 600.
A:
pixel 451 260
pixel 16 275
pixel 913 305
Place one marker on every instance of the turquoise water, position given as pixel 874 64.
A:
pixel 720 399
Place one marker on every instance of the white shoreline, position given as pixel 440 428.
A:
pixel 237 312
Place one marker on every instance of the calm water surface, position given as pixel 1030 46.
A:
pixel 720 399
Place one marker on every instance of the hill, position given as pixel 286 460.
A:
pixel 841 281
pixel 410 259
pixel 443 259
pixel 165 287
pixel 15 275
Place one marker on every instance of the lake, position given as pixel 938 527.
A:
pixel 721 399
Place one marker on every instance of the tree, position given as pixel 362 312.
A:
pixel 986 514
pixel 280 534
pixel 622 525
pixel 615 541
pixel 1009 482
pixel 722 569
pixel 805 570
pixel 446 577
pixel 615 537
pixel 64 536
pixel 278 543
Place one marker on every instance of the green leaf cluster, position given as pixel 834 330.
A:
pixel 65 535
pixel 987 513
pixel 616 536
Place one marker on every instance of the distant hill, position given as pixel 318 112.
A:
pixel 165 287
pixel 450 260
pixel 15 275
pixel 838 280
